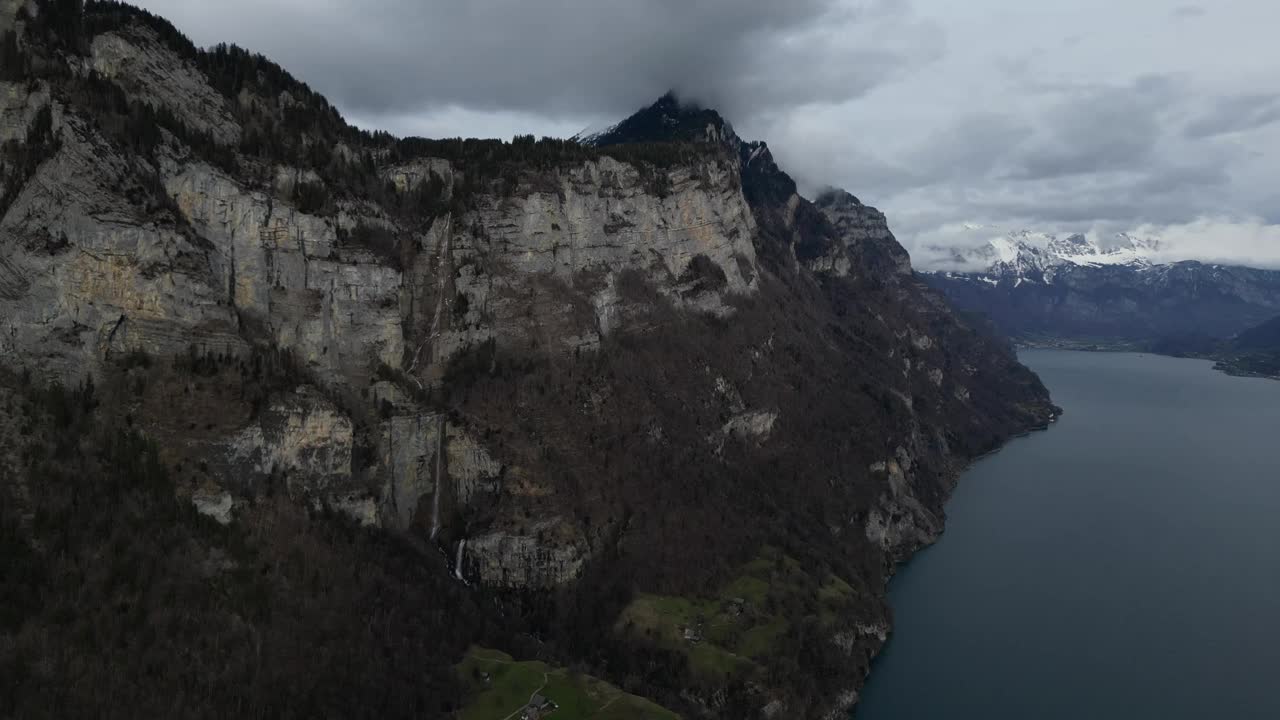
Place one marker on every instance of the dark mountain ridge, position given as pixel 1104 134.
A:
pixel 1252 353
pixel 637 408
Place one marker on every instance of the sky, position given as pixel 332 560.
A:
pixel 961 120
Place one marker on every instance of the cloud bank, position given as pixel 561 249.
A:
pixel 570 58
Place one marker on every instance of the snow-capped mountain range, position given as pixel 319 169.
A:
pixel 1116 289
pixel 1038 256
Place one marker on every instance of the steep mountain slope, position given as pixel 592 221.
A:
pixel 1253 353
pixel 1041 288
pixel 1264 337
pixel 585 386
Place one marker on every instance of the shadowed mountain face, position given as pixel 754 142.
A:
pixel 1264 337
pixel 1254 352
pixel 553 395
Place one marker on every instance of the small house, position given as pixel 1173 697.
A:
pixel 537 707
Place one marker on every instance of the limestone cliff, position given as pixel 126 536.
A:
pixel 226 262
pixel 638 362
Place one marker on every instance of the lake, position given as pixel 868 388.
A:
pixel 1123 564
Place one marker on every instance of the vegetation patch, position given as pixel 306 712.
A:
pixel 732 633
pixel 499 687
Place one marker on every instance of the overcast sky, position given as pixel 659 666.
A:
pixel 1155 116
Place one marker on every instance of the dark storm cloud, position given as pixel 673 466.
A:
pixel 570 57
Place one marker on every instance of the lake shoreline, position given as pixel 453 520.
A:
pixel 1225 363
pixel 1156 472
pixel 951 483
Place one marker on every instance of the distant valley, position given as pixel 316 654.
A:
pixel 1082 293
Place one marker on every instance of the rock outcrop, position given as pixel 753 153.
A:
pixel 302 436
pixel 545 554
pixel 866 243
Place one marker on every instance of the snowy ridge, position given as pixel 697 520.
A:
pixel 592 133
pixel 1037 257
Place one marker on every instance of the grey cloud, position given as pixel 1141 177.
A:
pixel 814 156
pixel 1156 190
pixel 1074 210
pixel 974 145
pixel 1183 12
pixel 1113 156
pixel 1099 129
pixel 1095 152
pixel 562 58
pixel 1183 178
pixel 1162 194
pixel 1234 114
pixel 966 151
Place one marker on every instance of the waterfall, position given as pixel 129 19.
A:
pixel 457 563
pixel 435 496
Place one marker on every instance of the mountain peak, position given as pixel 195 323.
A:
pixel 669 101
pixel 668 119
pixel 834 197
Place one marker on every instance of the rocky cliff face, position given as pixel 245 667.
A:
pixel 866 244
pixel 641 361
pixel 161 79
pixel 227 263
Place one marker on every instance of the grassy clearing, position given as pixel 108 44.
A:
pixel 745 621
pixel 760 639
pixel 510 684
pixel 709 662
pixel 509 687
